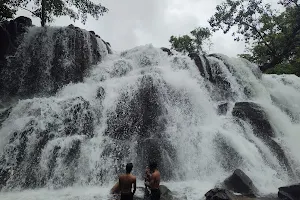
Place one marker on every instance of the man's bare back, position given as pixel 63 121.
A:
pixel 155 180
pixel 126 181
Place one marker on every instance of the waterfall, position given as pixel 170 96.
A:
pixel 141 105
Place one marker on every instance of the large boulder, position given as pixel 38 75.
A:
pixel 255 115
pixel 239 182
pixel 219 194
pixel 223 194
pixel 291 192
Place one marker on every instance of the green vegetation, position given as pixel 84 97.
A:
pixel 8 8
pixel 47 9
pixel 193 43
pixel 272 37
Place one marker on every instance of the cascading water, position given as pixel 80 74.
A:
pixel 142 105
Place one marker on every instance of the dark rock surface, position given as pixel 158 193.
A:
pixel 239 182
pixel 223 108
pixel 20 164
pixel 141 118
pixel 11 34
pixel 219 194
pixel 47 60
pixel 291 192
pixel 256 116
pixel 198 62
pixel 167 50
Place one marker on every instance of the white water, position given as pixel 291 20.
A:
pixel 192 126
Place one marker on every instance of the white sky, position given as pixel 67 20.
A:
pixel 130 23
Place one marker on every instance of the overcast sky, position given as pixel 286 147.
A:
pixel 130 23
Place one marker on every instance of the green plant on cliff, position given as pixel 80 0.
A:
pixel 272 37
pixel 75 9
pixel 193 43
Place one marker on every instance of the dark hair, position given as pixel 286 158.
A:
pixel 153 166
pixel 129 167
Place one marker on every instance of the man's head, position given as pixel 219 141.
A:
pixel 153 166
pixel 129 167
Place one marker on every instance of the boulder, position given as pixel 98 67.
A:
pixel 291 192
pixel 219 194
pixel 239 182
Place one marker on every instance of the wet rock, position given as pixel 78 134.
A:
pixel 36 70
pixel 239 182
pixel 4 113
pixel 78 118
pixel 100 93
pixel 253 113
pixel 256 116
pixel 291 192
pixel 12 33
pixel 140 116
pixel 167 50
pixel 228 157
pixel 4 41
pixel 198 62
pixel 223 108
pixel 218 194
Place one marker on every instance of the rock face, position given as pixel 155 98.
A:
pixel 20 164
pixel 141 119
pixel 12 33
pixel 256 116
pixel 47 59
pixel 214 74
pixel 239 182
pixel 291 192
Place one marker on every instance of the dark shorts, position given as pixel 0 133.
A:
pixel 155 194
pixel 126 196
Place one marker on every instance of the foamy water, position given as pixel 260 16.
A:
pixel 193 126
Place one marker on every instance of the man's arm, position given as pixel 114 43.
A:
pixel 134 187
pixel 120 183
pixel 152 180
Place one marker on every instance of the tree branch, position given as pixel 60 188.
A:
pixel 260 35
pixel 28 11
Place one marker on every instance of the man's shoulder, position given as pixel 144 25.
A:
pixel 133 177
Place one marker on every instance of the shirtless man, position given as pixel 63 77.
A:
pixel 154 181
pixel 125 183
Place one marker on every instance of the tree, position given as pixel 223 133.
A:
pixel 271 36
pixel 8 8
pixel 193 43
pixel 75 9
